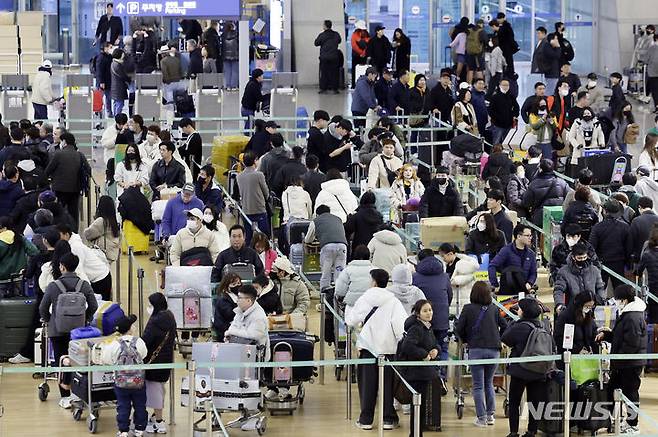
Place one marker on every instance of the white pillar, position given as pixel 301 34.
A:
pixel 244 54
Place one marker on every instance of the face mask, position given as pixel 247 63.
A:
pixel 564 92
pixel 581 264
pixel 520 172
pixel 490 44
pixel 191 225
pixel 234 289
pixel 274 276
pixel 586 311
pixel 627 113
pixel 201 180
pixel 587 117
pixel 572 241
pixel 591 84
pixel 131 156
pixel 482 226
pixel 149 310
pixel 207 218
pixel 442 181
pixel 172 54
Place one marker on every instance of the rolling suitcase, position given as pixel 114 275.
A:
pixel 16 315
pixel 297 254
pixel 555 393
pixel 590 394
pixel 302 350
pixel 433 405
pixel 296 231
pixel 133 236
pixel 246 272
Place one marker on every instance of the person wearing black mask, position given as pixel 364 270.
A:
pixel 441 199
pixel 207 190
pixel 578 276
pixel 227 300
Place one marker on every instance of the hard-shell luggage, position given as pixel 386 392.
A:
pixel 589 395
pixel 555 393
pixel 302 350
pixel 133 236
pixel 97 100
pixel 237 395
pixel 102 386
pixel 432 412
pixel 210 352
pixel 297 254
pixel 246 272
pixel 189 296
pixel 16 316
pixel 106 317
pixel 296 230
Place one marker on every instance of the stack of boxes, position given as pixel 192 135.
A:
pixel 21 42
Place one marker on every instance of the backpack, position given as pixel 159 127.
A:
pixel 84 176
pixel 539 343
pixel 473 44
pixel 128 355
pixel 70 308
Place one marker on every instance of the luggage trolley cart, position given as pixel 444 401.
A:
pixel 283 102
pixel 44 354
pixel 14 96
pixel 189 296
pixel 208 100
pixel 79 96
pixel 340 345
pixel 148 96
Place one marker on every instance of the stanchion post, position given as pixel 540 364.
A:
pixel 140 298
pixel 567 392
pixel 130 279
pixel 191 376
pixel 117 277
pixel 89 204
pixel 380 393
pixel 416 405
pixel 208 409
pixel 172 397
pixel 617 411
pixel 348 367
pixel 322 335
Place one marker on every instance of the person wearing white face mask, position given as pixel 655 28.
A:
pixel 595 97
pixel 573 235
pixel 195 244
pixel 516 188
pixel 212 220
pixel 503 111
pixel 485 239
pixel 149 149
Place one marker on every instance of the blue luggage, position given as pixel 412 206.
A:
pixel 85 332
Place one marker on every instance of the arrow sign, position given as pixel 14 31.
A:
pixel 120 8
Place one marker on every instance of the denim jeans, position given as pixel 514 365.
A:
pixel 259 220
pixel 127 400
pixel 442 345
pixel 499 134
pixel 247 113
pixel 108 102
pixel 231 74
pixel 333 257
pixel 483 374
pixel 117 106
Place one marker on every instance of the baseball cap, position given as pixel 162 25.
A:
pixel 47 197
pixel 361 25
pixel 283 263
pixel 188 187
pixel 271 124
pixel 47 64
pixel 196 212
pixel 379 27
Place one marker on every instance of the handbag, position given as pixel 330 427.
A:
pixel 416 120
pixel 390 174
pixel 157 350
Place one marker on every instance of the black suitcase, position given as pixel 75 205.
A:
pixel 296 231
pixel 245 271
pixel 102 389
pixel 329 329
pixel 555 393
pixel 16 316
pixel 588 395
pixel 302 350
pixel 432 411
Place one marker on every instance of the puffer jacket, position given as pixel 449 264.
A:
pixel 516 188
pixel 186 240
pixel 295 297
pixel 462 280
pixel 120 80
pixel 572 280
pixel 544 190
pixel 629 336
pixel 580 213
pixel 610 239
pixel 499 165
pixel 478 243
pixel 223 313
pixel 155 336
pixel 407 294
pixel 296 203
pixel 42 91
pixel 433 203
pixel 14 259
pixel 377 174
pixel 562 251
pixel 399 196
pixel 10 192
pixel 269 299
pixel 418 341
pixel 516 336
pixel 387 250
pixel 434 282
pixel 354 280
pixel 362 226
pixel 338 196
pixel 230 50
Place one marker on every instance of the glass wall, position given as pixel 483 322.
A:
pixel 578 21
pixel 446 16
pixel 487 10
pixel 519 15
pixel 354 10
pixel 415 22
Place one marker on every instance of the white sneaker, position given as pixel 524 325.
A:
pixel 632 430
pixel 271 395
pixel 406 409
pixel 138 433
pixel 480 423
pixel 19 359
pixel 122 434
pixel 363 426
pixel 160 427
pixel 491 420
pixel 65 403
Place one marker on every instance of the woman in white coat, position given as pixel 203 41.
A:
pixel 212 220
pixel 585 133
pixel 296 201
pixel 131 172
pixel 337 195
pixel 649 155
pixel 461 268
pixel 384 167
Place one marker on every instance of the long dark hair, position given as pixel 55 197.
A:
pixel 138 157
pixel 107 211
pixel 534 108
pixel 403 38
pixel 226 282
pixel 578 302
pixel 215 213
pixel 61 248
pixel 619 115
pixel 492 231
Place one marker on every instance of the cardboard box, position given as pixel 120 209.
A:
pixel 9 45
pixel 32 44
pixel 7 18
pixel 8 31
pixel 29 18
pixel 435 231
pixel 30 31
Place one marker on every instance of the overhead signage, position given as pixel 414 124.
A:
pixel 178 8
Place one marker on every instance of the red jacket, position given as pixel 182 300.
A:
pixel 357 36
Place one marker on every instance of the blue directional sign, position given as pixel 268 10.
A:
pixel 177 8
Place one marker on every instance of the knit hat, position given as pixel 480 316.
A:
pixel 530 308
pixel 123 324
pixel 401 274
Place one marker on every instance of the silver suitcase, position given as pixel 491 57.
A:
pixel 226 353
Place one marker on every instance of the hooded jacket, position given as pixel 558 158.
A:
pixel 251 324
pixel 387 250
pixel 174 218
pixel 572 280
pixel 295 297
pixel 363 97
pixel 580 213
pixel 433 203
pixel 14 259
pixel 511 256
pixel 562 251
pixel 42 91
pixel 629 336
pixel 362 225
pixel 418 341
pixel 10 192
pixel 353 281
pixel 403 289
pixel 161 323
pixel 338 196
pixel 647 187
pixel 431 279
pixel 230 45
pixel 463 280
pixel 381 333
pixel 94 267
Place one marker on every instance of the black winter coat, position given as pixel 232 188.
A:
pixel 379 51
pixel 64 169
pixel 271 301
pixel 649 262
pixel 581 213
pixel 382 89
pixel 435 204
pixel 223 315
pixel 499 165
pixel 562 251
pixel 113 24
pixel 285 174
pixel 25 206
pixel 420 103
pixel 211 39
pixel 252 95
pixel 134 206
pixel 478 243
pixel 418 341
pixel 442 100
pixel 362 225
pixel 196 63
pixel 60 215
pixel 639 232
pixel 487 336
pixel 231 256
pixel 516 336
pixel 629 336
pixel 503 109
pixel 103 70
pixel 610 240
pixel 313 181
pixel 399 95
pixel 544 190
pixel 583 336
pixel 120 81
pixel 155 333
pixel 328 41
pixel 259 143
pixel 315 144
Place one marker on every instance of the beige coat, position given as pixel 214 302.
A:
pixel 186 240
pixel 97 234
pixel 377 177
pixel 295 297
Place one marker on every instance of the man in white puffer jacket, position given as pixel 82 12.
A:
pixel 337 195
pixel 383 317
